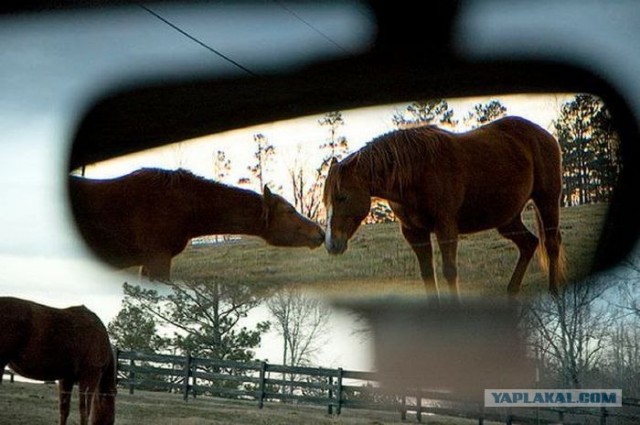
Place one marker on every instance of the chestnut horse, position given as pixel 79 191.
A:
pixel 70 345
pixel 148 217
pixel 451 184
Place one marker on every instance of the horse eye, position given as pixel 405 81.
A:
pixel 341 198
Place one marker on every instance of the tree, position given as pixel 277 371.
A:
pixel 204 317
pixel 423 112
pixel 135 329
pixel 263 155
pixel 221 166
pixel 482 114
pixel 307 196
pixel 589 143
pixel 307 191
pixel 300 321
pixel 380 212
pixel 569 332
pixel 335 146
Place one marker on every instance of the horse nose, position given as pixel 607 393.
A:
pixel 336 246
pixel 318 239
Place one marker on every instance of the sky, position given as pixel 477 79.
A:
pixel 298 140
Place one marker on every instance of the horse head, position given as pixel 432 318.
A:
pixel 347 199
pixel 284 226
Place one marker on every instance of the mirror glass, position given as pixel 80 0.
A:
pixel 245 206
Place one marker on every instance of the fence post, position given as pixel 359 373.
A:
pixel 509 418
pixel 603 416
pixel 403 408
pixel 339 391
pixel 262 391
pixel 419 406
pixel 132 376
pixel 187 374
pixel 330 396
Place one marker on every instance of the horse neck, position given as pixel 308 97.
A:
pixel 219 209
pixel 381 179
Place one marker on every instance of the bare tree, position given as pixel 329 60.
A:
pixel 301 321
pixel 307 196
pixel 263 155
pixel 570 331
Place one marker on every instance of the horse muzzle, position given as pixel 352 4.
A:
pixel 335 246
pixel 318 240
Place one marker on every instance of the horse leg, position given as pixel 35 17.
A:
pixel 527 243
pixel 550 218
pixel 65 387
pixel 420 242
pixel 447 236
pixel 87 388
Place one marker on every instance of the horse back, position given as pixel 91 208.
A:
pixel 127 219
pixel 55 343
pixel 16 317
pixel 492 172
pixel 542 149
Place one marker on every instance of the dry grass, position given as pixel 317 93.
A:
pixel 380 262
pixel 36 404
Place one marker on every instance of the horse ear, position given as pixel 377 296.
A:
pixel 266 192
pixel 334 161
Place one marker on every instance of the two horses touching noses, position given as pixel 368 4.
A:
pixel 69 345
pixel 451 184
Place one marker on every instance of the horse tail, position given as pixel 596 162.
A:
pixel 103 409
pixel 543 255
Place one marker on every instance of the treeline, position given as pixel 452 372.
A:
pixel 588 336
pixel 583 128
pixel 207 318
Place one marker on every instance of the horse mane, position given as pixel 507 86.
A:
pixel 397 155
pixel 178 179
pixel 168 178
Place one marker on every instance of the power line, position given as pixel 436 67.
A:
pixel 307 23
pixel 194 39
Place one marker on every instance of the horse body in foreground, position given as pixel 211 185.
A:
pixel 70 345
pixel 148 217
pixel 450 184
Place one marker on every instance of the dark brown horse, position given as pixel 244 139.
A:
pixel 450 184
pixel 148 217
pixel 70 345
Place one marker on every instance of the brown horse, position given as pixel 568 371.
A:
pixel 148 217
pixel 451 184
pixel 70 345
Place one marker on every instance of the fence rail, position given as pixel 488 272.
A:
pixel 333 388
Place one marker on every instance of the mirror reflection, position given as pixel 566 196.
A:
pixel 444 195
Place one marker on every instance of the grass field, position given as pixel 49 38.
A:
pixel 36 404
pixel 380 262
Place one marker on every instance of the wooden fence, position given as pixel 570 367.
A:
pixel 262 382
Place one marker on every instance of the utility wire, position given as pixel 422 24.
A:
pixel 192 38
pixel 307 23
